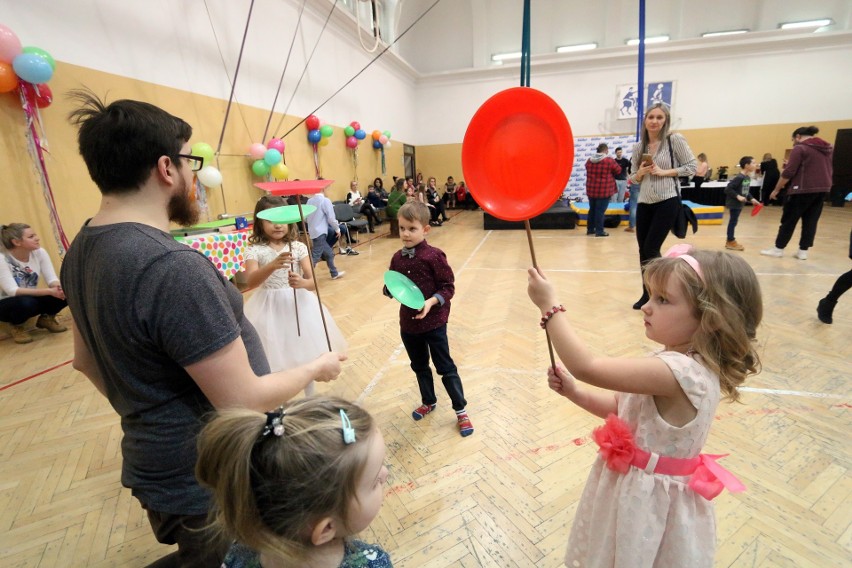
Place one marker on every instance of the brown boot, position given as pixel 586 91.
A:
pixel 20 334
pixel 733 245
pixel 50 324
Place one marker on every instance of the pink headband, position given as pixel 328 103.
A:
pixel 682 252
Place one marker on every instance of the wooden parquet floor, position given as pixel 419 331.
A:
pixel 505 496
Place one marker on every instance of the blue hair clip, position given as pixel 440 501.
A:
pixel 346 426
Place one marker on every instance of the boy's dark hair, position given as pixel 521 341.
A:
pixel 602 147
pixel 122 141
pixel 745 160
pixel 617 149
pixel 415 211
pixel 805 131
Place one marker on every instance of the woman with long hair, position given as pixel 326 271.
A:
pixel 658 160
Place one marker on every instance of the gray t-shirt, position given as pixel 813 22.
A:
pixel 148 306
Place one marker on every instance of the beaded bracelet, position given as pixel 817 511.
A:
pixel 549 314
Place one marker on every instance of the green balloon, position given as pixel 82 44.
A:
pixel 260 168
pixel 41 53
pixel 349 131
pixel 387 133
pixel 205 151
pixel 326 131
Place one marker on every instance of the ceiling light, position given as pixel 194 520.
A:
pixel 652 39
pixel 504 56
pixel 578 47
pixel 730 32
pixel 807 24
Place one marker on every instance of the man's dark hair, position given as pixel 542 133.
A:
pixel 122 141
pixel 602 147
pixel 618 149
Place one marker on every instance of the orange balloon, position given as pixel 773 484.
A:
pixel 8 78
pixel 376 134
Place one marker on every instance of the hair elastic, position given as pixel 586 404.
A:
pixel 346 426
pixel 274 423
pixel 682 252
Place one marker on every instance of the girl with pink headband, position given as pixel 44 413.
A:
pixel 647 501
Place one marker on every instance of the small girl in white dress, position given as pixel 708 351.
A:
pixel 280 267
pixel 646 503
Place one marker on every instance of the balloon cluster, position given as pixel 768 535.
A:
pixel 269 159
pixel 354 133
pixel 381 139
pixel 25 64
pixel 208 175
pixel 318 131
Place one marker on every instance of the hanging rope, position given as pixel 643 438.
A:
pixel 346 84
pixel 311 56
pixel 375 23
pixel 234 83
pixel 281 81
pixel 640 107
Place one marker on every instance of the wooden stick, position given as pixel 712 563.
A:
pixel 295 299
pixel 535 265
pixel 313 269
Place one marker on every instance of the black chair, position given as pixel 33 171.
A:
pixel 346 215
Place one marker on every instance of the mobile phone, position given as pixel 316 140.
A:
pixel 647 158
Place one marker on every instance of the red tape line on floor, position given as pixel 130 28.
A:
pixel 19 381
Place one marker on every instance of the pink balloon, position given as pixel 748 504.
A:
pixel 257 151
pixel 355 124
pixel 275 144
pixel 351 142
pixel 10 45
pixel 383 139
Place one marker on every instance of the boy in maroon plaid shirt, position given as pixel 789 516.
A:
pixel 600 186
pixel 424 331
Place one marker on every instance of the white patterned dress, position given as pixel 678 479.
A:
pixel 642 520
pixel 272 311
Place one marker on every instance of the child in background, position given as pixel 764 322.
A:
pixel 293 486
pixel 425 331
pixel 736 193
pixel 647 498
pixel 280 267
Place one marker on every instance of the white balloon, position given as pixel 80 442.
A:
pixel 209 176
pixel 388 144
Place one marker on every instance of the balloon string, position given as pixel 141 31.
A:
pixel 313 270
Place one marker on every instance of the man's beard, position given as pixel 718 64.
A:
pixel 183 209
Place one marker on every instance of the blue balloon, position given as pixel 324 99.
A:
pixel 377 144
pixel 360 134
pixel 314 136
pixel 32 68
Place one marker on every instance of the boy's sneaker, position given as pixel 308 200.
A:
pixel 50 324
pixel 733 245
pixel 422 411
pixel 774 251
pixel 801 254
pixel 352 252
pixel 465 427
pixel 339 275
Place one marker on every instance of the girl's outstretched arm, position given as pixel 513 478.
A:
pixel 600 404
pixel 648 375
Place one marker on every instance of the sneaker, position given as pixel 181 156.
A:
pixel 801 254
pixel 733 245
pixel 629 230
pixel 774 251
pixel 352 252
pixel 604 234
pixel 20 335
pixel 50 324
pixel 422 411
pixel 465 427
pixel 825 310
pixel 339 275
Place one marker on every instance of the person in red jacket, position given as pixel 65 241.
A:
pixel 809 172
pixel 600 186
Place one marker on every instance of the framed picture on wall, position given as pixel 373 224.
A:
pixel 659 92
pixel 626 102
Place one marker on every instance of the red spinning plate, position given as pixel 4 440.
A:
pixel 301 187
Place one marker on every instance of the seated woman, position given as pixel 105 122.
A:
pixel 359 204
pixel 20 298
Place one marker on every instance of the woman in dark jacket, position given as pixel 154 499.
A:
pixel 808 173
pixel 769 169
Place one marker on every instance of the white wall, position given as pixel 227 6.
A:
pixel 776 79
pixel 171 42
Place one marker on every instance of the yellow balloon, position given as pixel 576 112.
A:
pixel 279 171
pixel 323 142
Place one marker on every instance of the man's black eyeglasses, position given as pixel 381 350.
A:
pixel 195 162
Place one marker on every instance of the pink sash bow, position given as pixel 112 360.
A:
pixel 619 451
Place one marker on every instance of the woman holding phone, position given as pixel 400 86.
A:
pixel 659 159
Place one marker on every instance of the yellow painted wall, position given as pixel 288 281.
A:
pixel 723 146
pixel 76 196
